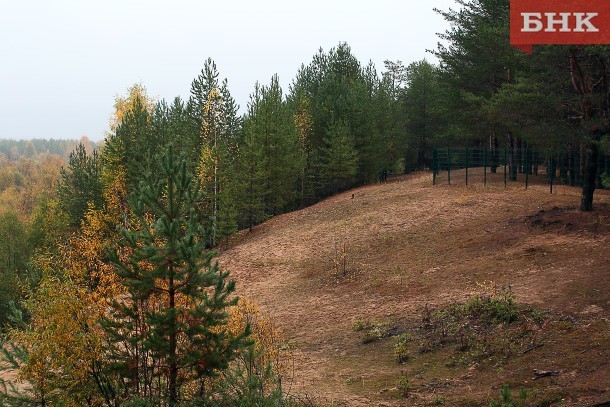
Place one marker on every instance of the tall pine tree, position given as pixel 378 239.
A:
pixel 215 114
pixel 170 330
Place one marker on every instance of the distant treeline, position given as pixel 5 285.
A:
pixel 15 149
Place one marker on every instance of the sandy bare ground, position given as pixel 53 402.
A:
pixel 410 244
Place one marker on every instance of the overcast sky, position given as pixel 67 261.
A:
pixel 62 62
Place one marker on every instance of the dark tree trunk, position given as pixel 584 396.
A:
pixel 572 166
pixel 519 156
pixel 582 160
pixel 590 173
pixel 172 359
pixel 551 168
pixel 495 158
pixel 589 83
pixel 527 155
pixel 564 167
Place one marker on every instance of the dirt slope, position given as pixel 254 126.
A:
pixel 410 244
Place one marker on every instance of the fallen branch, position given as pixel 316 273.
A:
pixel 544 373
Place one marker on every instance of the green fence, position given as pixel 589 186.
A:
pixel 501 166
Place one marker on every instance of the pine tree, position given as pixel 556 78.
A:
pixel 249 167
pixel 391 118
pixel 275 132
pixel 476 59
pixel 171 324
pixel 184 131
pixel 421 108
pixel 336 88
pixel 304 123
pixel 130 148
pixel 80 185
pixel 215 114
pixel 339 158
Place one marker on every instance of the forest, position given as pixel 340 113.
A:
pixel 110 293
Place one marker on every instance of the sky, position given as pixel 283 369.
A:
pixel 63 62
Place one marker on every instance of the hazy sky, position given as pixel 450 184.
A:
pixel 62 62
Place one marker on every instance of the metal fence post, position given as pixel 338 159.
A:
pixel 531 160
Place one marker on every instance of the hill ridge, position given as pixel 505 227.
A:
pixel 408 245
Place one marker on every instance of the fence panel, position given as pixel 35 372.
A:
pixel 501 166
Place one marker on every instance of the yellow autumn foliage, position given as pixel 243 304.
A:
pixel 63 340
pixel 208 162
pixel 303 121
pixel 122 105
pixel 84 256
pixel 23 183
pixel 271 345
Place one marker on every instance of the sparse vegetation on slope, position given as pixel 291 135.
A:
pixel 416 245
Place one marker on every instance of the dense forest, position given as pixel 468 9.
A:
pixel 109 292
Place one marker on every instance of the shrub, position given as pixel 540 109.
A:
pixel 248 384
pixel 506 398
pixel 372 331
pixel 404 386
pixel 483 326
pixel 271 346
pixel 537 316
pixel 401 350
pixel 492 305
pixel 360 325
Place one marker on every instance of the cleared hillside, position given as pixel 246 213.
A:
pixel 409 246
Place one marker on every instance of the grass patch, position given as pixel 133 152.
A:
pixel 373 331
pixel 489 325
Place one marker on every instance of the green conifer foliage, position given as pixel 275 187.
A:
pixel 14 255
pixel 339 158
pixel 214 113
pixel 271 148
pixel 80 184
pixel 169 331
pixel 335 88
pixel 134 143
pixel 250 166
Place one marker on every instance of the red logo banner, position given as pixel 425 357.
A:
pixel 559 22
